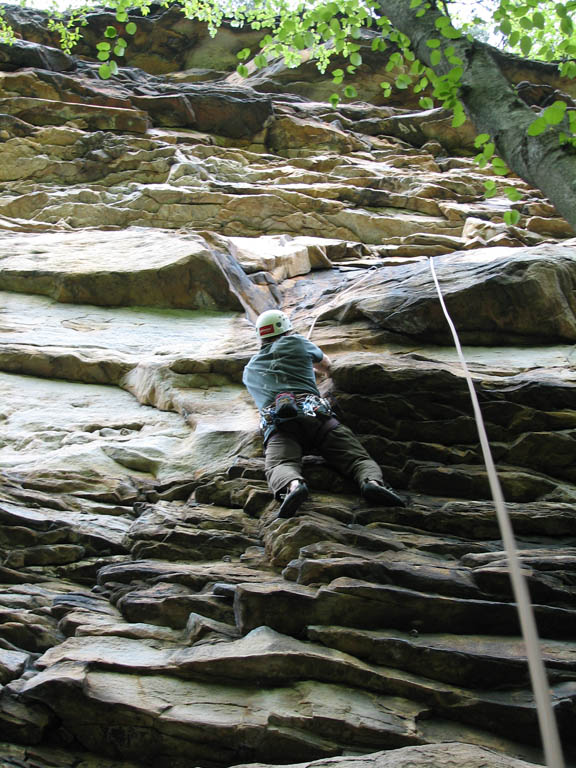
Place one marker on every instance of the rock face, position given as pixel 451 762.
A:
pixel 154 611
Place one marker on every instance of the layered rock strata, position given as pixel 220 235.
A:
pixel 154 610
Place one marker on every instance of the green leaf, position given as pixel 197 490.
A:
pixel 455 74
pixel 131 28
pixel 356 59
pixel 242 70
pixel 499 166
pixel 104 71
pixel 538 19
pixel 243 54
pixel 433 43
pixel 506 27
pixel 450 33
pixel 426 103
pixel 103 47
pixel 260 60
pixel 514 38
pixel 526 45
pixel 403 81
pixel 337 73
pixel 299 42
pixel 415 3
pixel 526 22
pixel 113 67
pixel 489 150
pixel 435 58
pixel 110 32
pixel 458 119
pixel 490 188
pixel 537 127
pixel 350 92
pixel 119 51
pixel 334 99
pixel 387 88
pixel 482 138
pixel 561 10
pixel 328 11
pixel 568 69
pixel 567 26
pixel 121 43
pixel 554 114
pixel 511 218
pixel 513 194
pixel 103 55
pixel 121 16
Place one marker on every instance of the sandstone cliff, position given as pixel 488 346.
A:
pixel 153 611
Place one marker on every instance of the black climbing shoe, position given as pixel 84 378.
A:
pixel 382 495
pixel 293 500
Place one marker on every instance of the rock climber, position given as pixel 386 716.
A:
pixel 296 419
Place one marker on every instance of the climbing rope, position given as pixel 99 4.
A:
pixel 547 721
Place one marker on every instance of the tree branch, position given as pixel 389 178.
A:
pixel 494 107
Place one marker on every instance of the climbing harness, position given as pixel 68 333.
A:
pixel 547 721
pixel 305 405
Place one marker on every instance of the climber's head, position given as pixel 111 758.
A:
pixel 272 323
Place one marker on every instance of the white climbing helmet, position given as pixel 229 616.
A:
pixel 272 323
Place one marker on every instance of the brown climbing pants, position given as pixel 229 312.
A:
pixel 339 446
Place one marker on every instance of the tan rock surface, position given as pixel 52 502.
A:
pixel 128 268
pixel 153 609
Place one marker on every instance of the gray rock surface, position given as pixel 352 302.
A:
pixel 154 611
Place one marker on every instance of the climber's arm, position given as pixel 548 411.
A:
pixel 323 366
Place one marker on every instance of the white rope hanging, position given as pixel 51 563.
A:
pixel 546 719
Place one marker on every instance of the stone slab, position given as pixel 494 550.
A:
pixel 48 426
pixel 452 755
pixel 495 296
pixel 133 267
